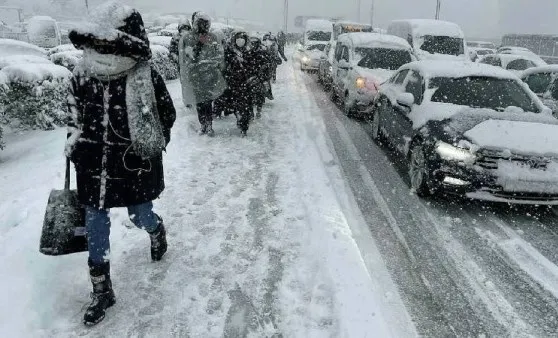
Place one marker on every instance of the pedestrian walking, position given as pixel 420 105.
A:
pixel 281 43
pixel 201 58
pixel 121 116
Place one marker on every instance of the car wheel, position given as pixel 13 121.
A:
pixel 419 172
pixel 348 108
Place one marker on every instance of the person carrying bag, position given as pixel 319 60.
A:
pixel 121 115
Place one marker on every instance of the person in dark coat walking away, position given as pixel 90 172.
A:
pixel 183 28
pixel 260 66
pixel 238 74
pixel 201 58
pixel 121 116
pixel 281 43
pixel 270 42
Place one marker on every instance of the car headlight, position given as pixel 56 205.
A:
pixel 452 153
pixel 305 59
pixel 360 82
pixel 330 69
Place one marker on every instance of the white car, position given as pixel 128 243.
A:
pixel 524 52
pixel 311 55
pixel 477 52
pixel 362 62
pixel 512 62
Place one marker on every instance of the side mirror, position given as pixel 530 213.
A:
pixel 406 100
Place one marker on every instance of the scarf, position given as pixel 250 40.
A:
pixel 105 66
pixel 146 131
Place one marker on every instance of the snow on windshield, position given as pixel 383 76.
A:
pixel 382 58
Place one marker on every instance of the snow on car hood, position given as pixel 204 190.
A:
pixel 379 75
pixel 519 137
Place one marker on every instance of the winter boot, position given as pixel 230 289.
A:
pixel 102 295
pixel 158 241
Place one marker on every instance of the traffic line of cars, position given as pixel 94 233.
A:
pixel 468 128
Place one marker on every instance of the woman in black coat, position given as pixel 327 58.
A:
pixel 238 72
pixel 121 116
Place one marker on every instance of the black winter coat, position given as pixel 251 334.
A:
pixel 109 174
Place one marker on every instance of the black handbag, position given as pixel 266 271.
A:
pixel 64 223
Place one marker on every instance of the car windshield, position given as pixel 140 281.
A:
pixel 442 45
pixel 319 36
pixel 539 83
pixel 482 92
pixel 319 47
pixel 521 64
pixel 484 52
pixel 383 58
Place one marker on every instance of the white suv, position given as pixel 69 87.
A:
pixel 362 62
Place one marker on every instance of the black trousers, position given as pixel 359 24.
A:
pixel 205 113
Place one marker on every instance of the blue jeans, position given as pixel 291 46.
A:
pixel 97 223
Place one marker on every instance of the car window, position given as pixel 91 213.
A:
pixel 415 86
pixel 539 83
pixel 520 64
pixel 554 90
pixel 482 92
pixel 493 61
pixel 345 55
pixel 382 58
pixel 398 80
pixel 338 52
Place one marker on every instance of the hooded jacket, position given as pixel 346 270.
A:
pixel 109 173
pixel 201 59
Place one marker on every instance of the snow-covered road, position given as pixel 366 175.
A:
pixel 463 268
pixel 265 237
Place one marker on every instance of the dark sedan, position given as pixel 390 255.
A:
pixel 470 129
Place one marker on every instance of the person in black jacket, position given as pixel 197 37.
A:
pixel 183 28
pixel 238 75
pixel 121 116
pixel 260 65
pixel 281 43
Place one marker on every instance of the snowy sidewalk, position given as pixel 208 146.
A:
pixel 259 239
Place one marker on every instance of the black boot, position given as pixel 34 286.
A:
pixel 158 241
pixel 102 295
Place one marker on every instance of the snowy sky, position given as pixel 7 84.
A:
pixel 478 18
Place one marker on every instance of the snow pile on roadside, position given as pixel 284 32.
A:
pixel 258 241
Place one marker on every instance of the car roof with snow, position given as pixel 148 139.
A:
pixel 457 69
pixel 372 40
pixel 319 24
pixel 432 27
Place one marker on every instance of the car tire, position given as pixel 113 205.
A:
pixel 420 172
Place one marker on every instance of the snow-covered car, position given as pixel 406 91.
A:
pixel 471 129
pixel 481 44
pixel 13 47
pixel 432 39
pixel 476 52
pixel 325 69
pixel 167 32
pixel 311 55
pixel 362 62
pixel 524 52
pixel 543 81
pixel 512 62
pixel 43 31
